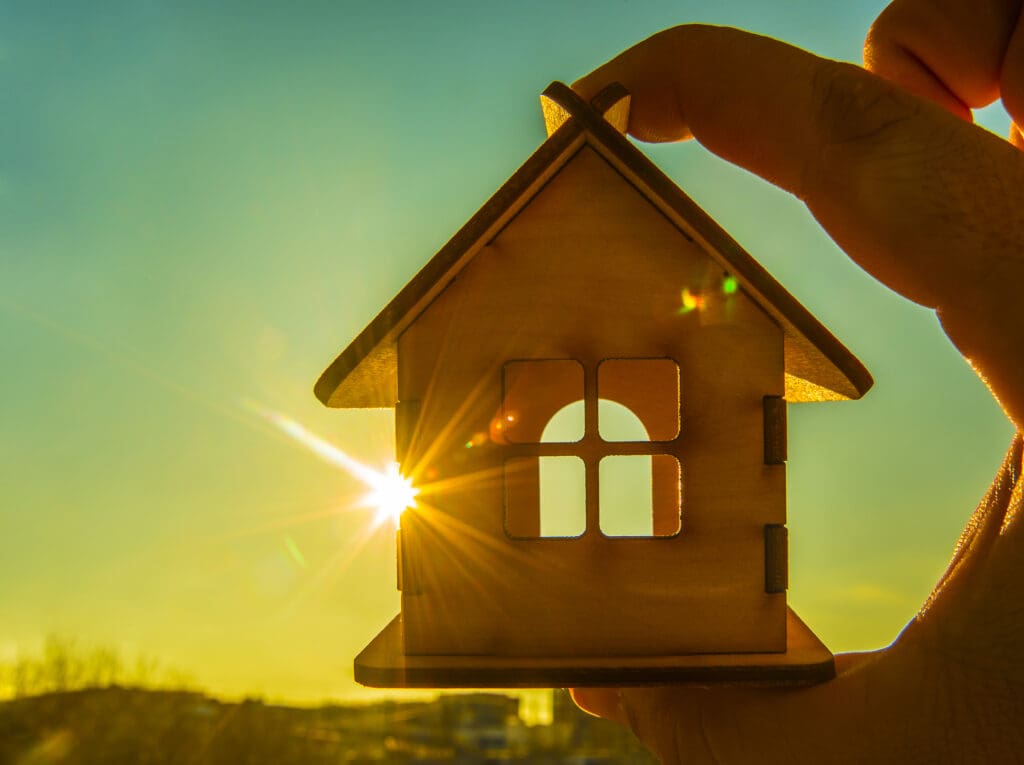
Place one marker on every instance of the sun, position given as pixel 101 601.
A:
pixel 391 494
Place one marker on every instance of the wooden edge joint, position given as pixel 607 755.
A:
pixel 555 115
pixel 409 579
pixel 612 103
pixel 559 102
pixel 775 438
pixel 776 557
pixel 407 416
pixel 400 578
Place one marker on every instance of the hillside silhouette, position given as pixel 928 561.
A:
pixel 97 726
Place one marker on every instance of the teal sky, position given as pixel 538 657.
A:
pixel 201 204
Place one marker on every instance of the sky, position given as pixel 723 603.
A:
pixel 202 203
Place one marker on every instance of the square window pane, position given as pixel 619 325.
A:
pixel 534 392
pixel 641 495
pixel 648 390
pixel 545 497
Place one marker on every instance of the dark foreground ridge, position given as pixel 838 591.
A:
pixel 124 725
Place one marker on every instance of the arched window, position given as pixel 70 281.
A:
pixel 562 480
pixel 625 481
pixel 636 489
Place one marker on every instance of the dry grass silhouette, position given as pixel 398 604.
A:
pixel 65 665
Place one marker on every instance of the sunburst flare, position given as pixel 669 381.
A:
pixel 391 493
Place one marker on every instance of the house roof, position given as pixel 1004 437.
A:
pixel 818 367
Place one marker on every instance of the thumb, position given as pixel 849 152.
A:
pixel 694 724
pixel 667 721
pixel 741 724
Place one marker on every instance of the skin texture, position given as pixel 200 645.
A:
pixel 856 144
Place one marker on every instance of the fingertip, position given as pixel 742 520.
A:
pixel 892 60
pixel 952 53
pixel 589 85
pixel 600 702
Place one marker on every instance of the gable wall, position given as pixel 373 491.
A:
pixel 589 270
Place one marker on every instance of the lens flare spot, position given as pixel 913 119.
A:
pixel 729 284
pixel 691 301
pixel 294 551
pixel 479 439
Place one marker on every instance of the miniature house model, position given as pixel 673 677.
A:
pixel 590 384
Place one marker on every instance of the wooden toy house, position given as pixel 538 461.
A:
pixel 590 384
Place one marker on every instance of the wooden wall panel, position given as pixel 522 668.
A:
pixel 589 270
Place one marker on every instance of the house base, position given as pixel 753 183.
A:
pixel 384 664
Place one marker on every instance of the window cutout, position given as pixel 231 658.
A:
pixel 647 387
pixel 640 495
pixel 566 426
pixel 618 423
pixel 545 497
pixel 533 392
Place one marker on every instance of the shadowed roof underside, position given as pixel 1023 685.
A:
pixel 818 366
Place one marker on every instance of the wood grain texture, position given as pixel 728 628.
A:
pixel 776 558
pixel 407 415
pixel 776 438
pixel 613 103
pixel 385 664
pixel 590 270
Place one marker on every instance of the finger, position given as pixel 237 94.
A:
pixel 958 54
pixel 948 51
pixel 853 147
pixel 677 724
pixel 672 722
pixel 745 724
pixel 920 199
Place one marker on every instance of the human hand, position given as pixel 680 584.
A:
pixel 856 146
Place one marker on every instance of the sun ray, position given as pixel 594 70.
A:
pixel 480 479
pixel 287 521
pixel 390 492
pixel 328 572
pixel 322 448
pixel 447 431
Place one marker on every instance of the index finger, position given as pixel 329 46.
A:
pixel 919 198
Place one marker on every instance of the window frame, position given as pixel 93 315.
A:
pixel 592 448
